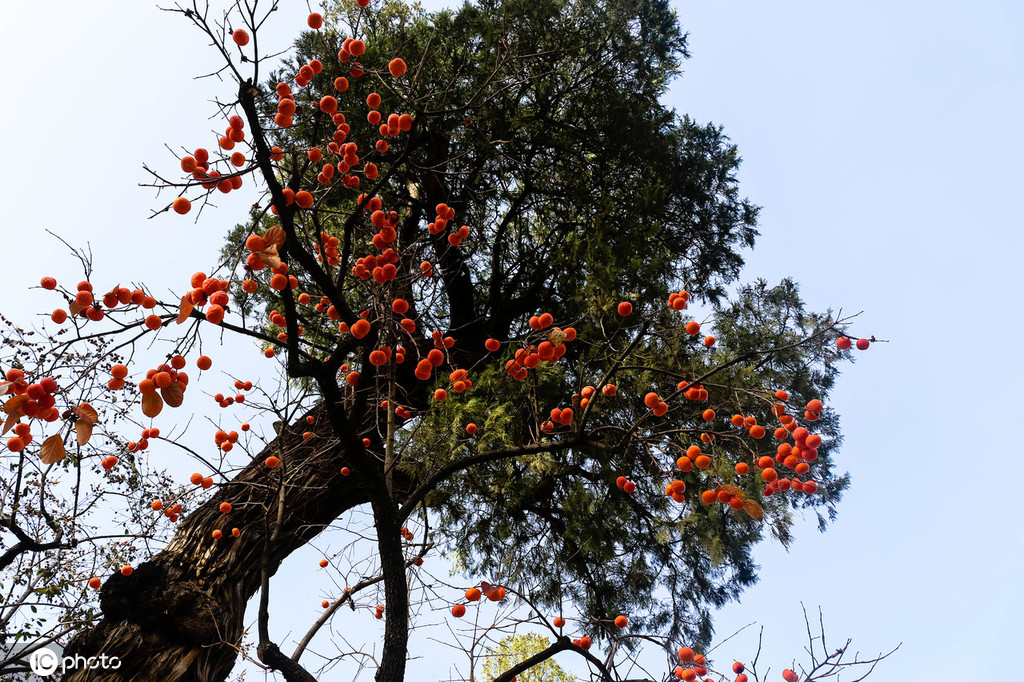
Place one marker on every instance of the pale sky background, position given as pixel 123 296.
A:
pixel 884 142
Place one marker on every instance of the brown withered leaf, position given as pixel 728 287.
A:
pixel 52 449
pixel 9 423
pixel 186 308
pixel 556 337
pixel 74 308
pixel 274 236
pixel 270 257
pixel 152 403
pixel 754 509
pixel 13 406
pixel 5 386
pixel 83 431
pixel 736 492
pixel 173 394
pixel 86 412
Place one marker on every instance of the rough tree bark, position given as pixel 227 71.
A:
pixel 180 615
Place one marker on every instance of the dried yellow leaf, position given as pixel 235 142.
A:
pixel 13 406
pixel 274 237
pixel 736 492
pixel 173 394
pixel 9 423
pixel 85 411
pixel 83 431
pixel 270 257
pixel 152 403
pixel 186 308
pixel 52 449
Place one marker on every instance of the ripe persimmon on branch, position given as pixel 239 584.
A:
pixel 487 272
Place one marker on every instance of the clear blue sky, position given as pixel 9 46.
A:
pixel 884 142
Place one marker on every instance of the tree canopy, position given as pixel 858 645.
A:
pixel 501 280
pixel 541 125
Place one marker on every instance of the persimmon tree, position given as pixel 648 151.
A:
pixel 487 273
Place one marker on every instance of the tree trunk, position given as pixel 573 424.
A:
pixel 180 615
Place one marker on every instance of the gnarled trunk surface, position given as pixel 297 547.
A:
pixel 180 615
